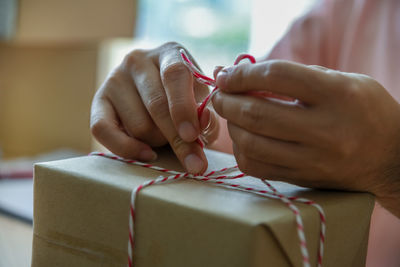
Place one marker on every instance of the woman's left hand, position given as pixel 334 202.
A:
pixel 343 132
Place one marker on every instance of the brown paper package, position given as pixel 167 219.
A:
pixel 81 208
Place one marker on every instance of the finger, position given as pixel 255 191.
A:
pixel 267 150
pixel 179 86
pixel 200 92
pixel 317 67
pixel 276 76
pixel 106 129
pixel 131 111
pixel 217 69
pixel 155 100
pixel 260 169
pixel 264 117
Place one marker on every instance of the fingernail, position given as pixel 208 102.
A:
pixel 187 131
pixel 222 77
pixel 147 155
pixel 216 70
pixel 193 164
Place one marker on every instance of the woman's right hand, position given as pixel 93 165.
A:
pixel 150 100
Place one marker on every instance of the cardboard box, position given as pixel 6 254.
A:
pixel 45 96
pixel 46 93
pixel 81 211
pixel 64 21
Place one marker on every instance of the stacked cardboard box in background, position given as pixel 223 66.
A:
pixel 49 71
pixel 45 97
pixel 74 20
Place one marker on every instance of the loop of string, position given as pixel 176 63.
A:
pixel 201 78
pixel 219 177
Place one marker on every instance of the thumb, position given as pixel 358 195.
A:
pixel 217 69
pixel 228 79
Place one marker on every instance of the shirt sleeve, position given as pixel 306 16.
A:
pixel 307 39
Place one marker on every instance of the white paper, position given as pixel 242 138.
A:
pixel 16 197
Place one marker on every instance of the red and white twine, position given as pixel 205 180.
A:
pixel 219 177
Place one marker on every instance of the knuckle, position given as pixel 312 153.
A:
pixel 97 127
pixel 345 147
pixel 174 72
pixel 157 104
pixel 275 68
pixel 349 88
pixel 179 105
pixel 352 89
pixel 250 114
pixel 134 57
pixel 167 47
pixel 172 45
pixel 178 144
pixel 114 80
pixel 237 76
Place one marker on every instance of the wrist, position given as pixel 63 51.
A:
pixel 388 189
pixel 391 204
pixel 388 194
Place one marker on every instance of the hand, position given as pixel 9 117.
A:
pixel 150 100
pixel 344 132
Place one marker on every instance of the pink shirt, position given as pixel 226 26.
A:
pixel 361 36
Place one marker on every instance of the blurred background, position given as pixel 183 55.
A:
pixel 55 53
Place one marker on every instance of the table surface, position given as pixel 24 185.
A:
pixel 15 242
